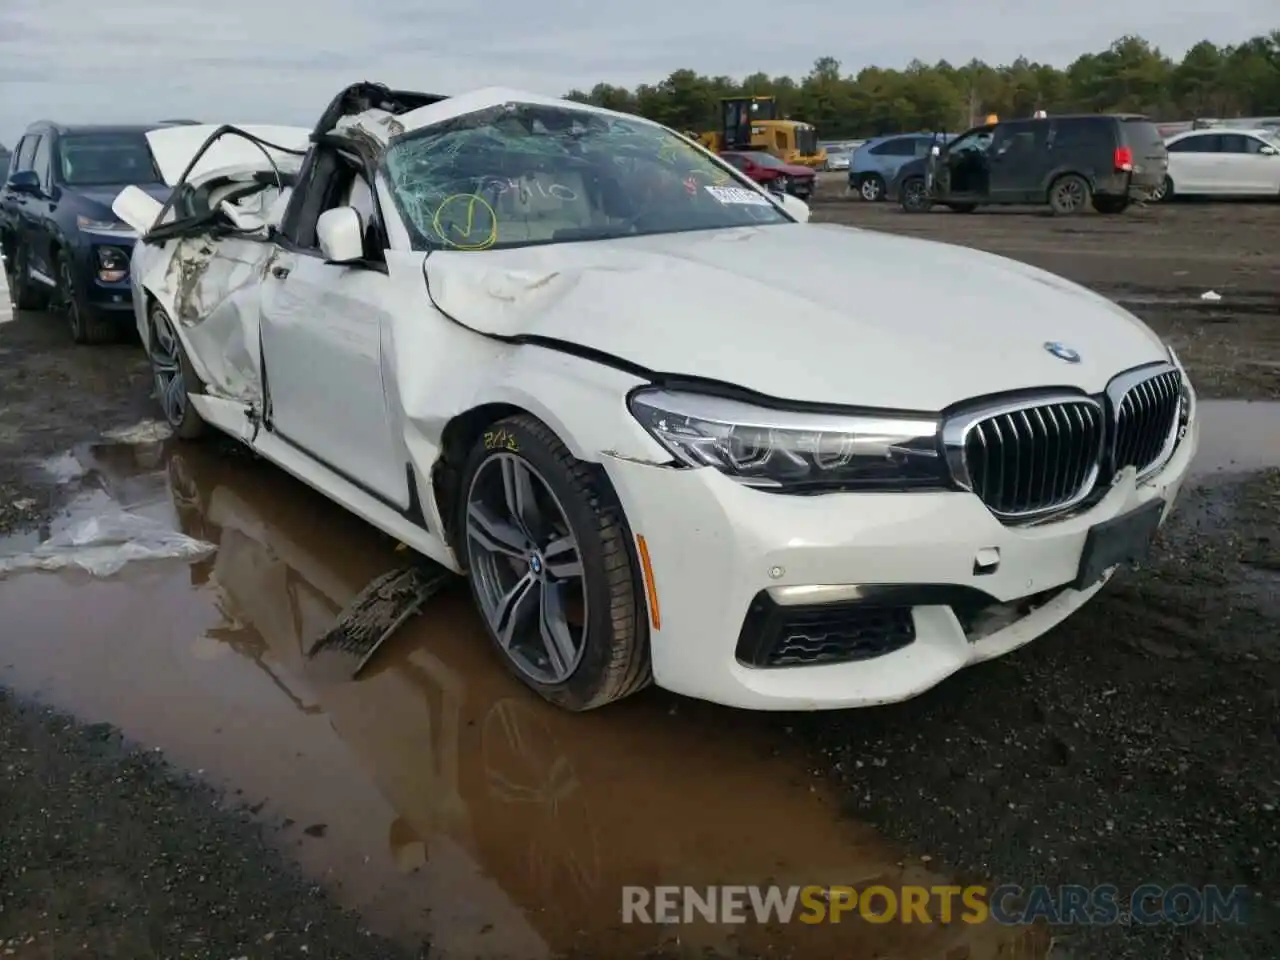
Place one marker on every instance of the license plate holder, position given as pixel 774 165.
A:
pixel 1120 540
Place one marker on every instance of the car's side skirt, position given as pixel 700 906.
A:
pixel 229 416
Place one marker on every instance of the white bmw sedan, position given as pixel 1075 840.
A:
pixel 1220 162
pixel 668 429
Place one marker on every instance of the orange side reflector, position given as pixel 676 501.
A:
pixel 650 588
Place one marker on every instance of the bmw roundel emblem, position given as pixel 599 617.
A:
pixel 1062 351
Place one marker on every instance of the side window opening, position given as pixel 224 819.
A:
pixel 337 180
pixel 26 150
pixel 17 154
pixel 40 161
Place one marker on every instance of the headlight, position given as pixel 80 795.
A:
pixel 102 226
pixel 113 264
pixel 760 447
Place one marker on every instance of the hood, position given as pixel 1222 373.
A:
pixel 175 147
pixel 795 170
pixel 105 196
pixel 96 201
pixel 805 312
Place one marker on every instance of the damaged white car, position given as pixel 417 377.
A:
pixel 576 357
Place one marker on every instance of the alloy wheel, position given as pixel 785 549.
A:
pixel 166 364
pixel 526 567
pixel 1070 194
pixel 915 193
pixel 871 189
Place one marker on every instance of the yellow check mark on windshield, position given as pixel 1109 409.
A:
pixel 465 227
pixel 471 220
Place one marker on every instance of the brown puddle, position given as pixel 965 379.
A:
pixel 445 800
pixel 1237 436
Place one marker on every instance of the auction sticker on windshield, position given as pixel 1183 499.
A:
pixel 738 195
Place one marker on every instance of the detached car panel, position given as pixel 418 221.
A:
pixel 666 428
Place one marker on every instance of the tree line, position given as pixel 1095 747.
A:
pixel 1130 76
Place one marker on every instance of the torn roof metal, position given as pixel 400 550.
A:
pixel 383 125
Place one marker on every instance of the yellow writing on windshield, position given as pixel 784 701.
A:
pixel 466 221
pixel 669 150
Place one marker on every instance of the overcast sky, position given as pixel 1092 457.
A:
pixel 281 60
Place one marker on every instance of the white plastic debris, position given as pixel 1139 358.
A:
pixel 1211 295
pixel 148 431
pixel 104 544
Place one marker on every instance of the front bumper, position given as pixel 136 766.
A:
pixel 723 555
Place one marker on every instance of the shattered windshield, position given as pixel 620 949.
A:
pixel 520 174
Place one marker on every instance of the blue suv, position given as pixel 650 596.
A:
pixel 64 249
pixel 875 164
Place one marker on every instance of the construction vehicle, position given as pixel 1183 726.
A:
pixel 751 123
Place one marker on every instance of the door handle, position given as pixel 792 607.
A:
pixel 279 271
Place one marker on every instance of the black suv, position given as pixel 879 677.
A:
pixel 64 249
pixel 1067 162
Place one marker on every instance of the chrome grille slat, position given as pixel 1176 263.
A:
pixel 1146 420
pixel 1035 457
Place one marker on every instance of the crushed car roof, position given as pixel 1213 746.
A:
pixel 384 125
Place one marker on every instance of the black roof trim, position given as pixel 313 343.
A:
pixel 368 95
pixel 63 129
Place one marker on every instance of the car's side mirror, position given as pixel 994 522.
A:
pixel 25 181
pixel 341 235
pixel 1268 151
pixel 795 206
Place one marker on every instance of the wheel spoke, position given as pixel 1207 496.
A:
pixel 562 558
pixel 496 536
pixel 174 400
pixel 524 559
pixel 557 638
pixel 514 608
pixel 517 486
pixel 164 365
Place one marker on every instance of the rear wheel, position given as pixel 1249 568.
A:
pixel 175 379
pixel 87 324
pixel 23 294
pixel 1164 192
pixel 548 556
pixel 915 196
pixel 1069 195
pixel 871 188
pixel 1111 204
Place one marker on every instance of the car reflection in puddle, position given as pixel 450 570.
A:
pixel 436 795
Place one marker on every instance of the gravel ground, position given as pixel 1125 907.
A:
pixel 1137 743
pixel 107 852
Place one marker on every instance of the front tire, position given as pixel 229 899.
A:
pixel 88 326
pixel 914 196
pixel 871 188
pixel 1164 192
pixel 23 294
pixel 175 378
pixel 548 556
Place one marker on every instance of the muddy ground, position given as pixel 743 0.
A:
pixel 1138 743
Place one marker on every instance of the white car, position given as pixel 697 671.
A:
pixel 581 360
pixel 1222 163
